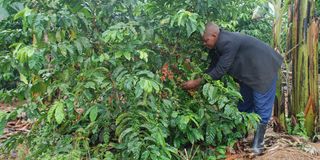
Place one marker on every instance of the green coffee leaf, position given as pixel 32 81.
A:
pixel 93 113
pixel 124 133
pixel 127 55
pixel 59 112
pixel 23 13
pixel 143 55
pixel 23 78
pixel 51 112
pixel 3 121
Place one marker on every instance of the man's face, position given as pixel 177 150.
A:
pixel 209 40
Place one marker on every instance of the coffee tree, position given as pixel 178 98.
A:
pixel 101 79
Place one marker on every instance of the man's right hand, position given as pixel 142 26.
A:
pixel 192 84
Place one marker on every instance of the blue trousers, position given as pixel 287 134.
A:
pixel 261 104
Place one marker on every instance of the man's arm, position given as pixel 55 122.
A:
pixel 218 69
pixel 213 56
pixel 228 51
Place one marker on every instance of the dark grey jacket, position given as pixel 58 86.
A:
pixel 245 58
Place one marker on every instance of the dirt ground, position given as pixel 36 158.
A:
pixel 280 146
pixel 287 147
pixel 16 126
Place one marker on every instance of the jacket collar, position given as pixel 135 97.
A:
pixel 219 43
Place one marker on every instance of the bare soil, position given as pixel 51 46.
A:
pixel 19 125
pixel 279 146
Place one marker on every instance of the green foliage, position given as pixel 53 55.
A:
pixel 3 121
pixel 94 78
pixel 296 126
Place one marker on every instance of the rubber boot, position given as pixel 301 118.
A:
pixel 257 145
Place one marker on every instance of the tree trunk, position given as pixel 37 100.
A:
pixel 279 105
pixel 305 30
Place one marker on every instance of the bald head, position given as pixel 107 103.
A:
pixel 211 28
pixel 211 34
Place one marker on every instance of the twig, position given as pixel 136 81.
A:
pixel 287 53
pixel 194 153
pixel 185 151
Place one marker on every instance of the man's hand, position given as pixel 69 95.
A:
pixel 192 84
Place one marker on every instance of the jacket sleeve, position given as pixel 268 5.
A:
pixel 213 57
pixel 228 53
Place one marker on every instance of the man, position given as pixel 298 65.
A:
pixel 253 64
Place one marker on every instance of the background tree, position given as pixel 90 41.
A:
pixel 305 30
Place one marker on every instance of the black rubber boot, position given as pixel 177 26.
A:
pixel 257 145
